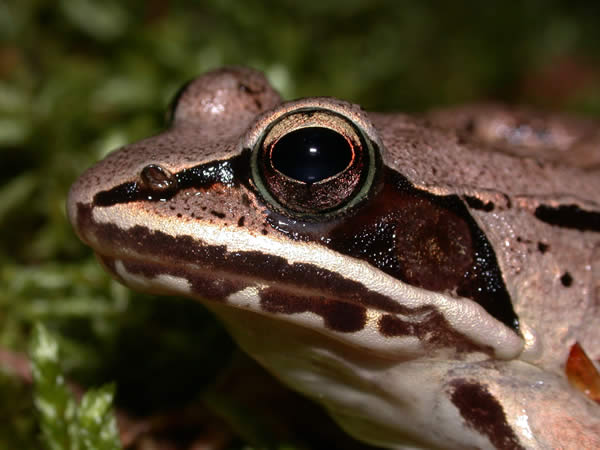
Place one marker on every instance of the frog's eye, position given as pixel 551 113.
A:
pixel 313 163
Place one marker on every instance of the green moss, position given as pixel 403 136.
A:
pixel 65 423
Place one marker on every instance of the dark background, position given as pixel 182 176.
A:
pixel 81 77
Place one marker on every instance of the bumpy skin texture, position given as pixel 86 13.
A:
pixel 328 306
pixel 449 163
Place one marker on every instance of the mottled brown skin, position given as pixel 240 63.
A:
pixel 392 359
pixel 520 131
pixel 517 185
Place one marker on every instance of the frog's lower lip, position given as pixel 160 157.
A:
pixel 340 315
pixel 211 282
pixel 174 280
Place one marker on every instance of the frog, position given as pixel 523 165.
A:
pixel 423 277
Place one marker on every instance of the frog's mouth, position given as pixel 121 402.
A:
pixel 252 273
pixel 185 265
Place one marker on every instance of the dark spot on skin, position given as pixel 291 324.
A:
pixel 569 216
pixel 254 93
pixel 476 203
pixel 543 247
pixel 432 329
pixel 508 201
pixel 264 231
pixel 470 126
pixel 566 279
pixel 218 214
pixel 244 88
pixel 183 250
pixel 241 221
pixel 179 215
pixel 391 326
pixel 482 412
pixel 247 89
pixel 523 240
pixel 245 200
pixel 338 315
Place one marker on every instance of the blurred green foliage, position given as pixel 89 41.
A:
pixel 68 424
pixel 81 77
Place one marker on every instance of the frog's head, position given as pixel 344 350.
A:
pixel 305 235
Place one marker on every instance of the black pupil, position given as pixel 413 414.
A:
pixel 311 154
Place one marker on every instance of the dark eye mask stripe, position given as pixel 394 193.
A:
pixel 425 240
pixel 202 176
pixel 428 241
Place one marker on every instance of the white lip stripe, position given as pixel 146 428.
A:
pixel 466 316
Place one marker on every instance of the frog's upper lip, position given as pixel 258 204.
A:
pixel 151 253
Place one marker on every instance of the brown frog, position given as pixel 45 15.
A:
pixel 423 278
